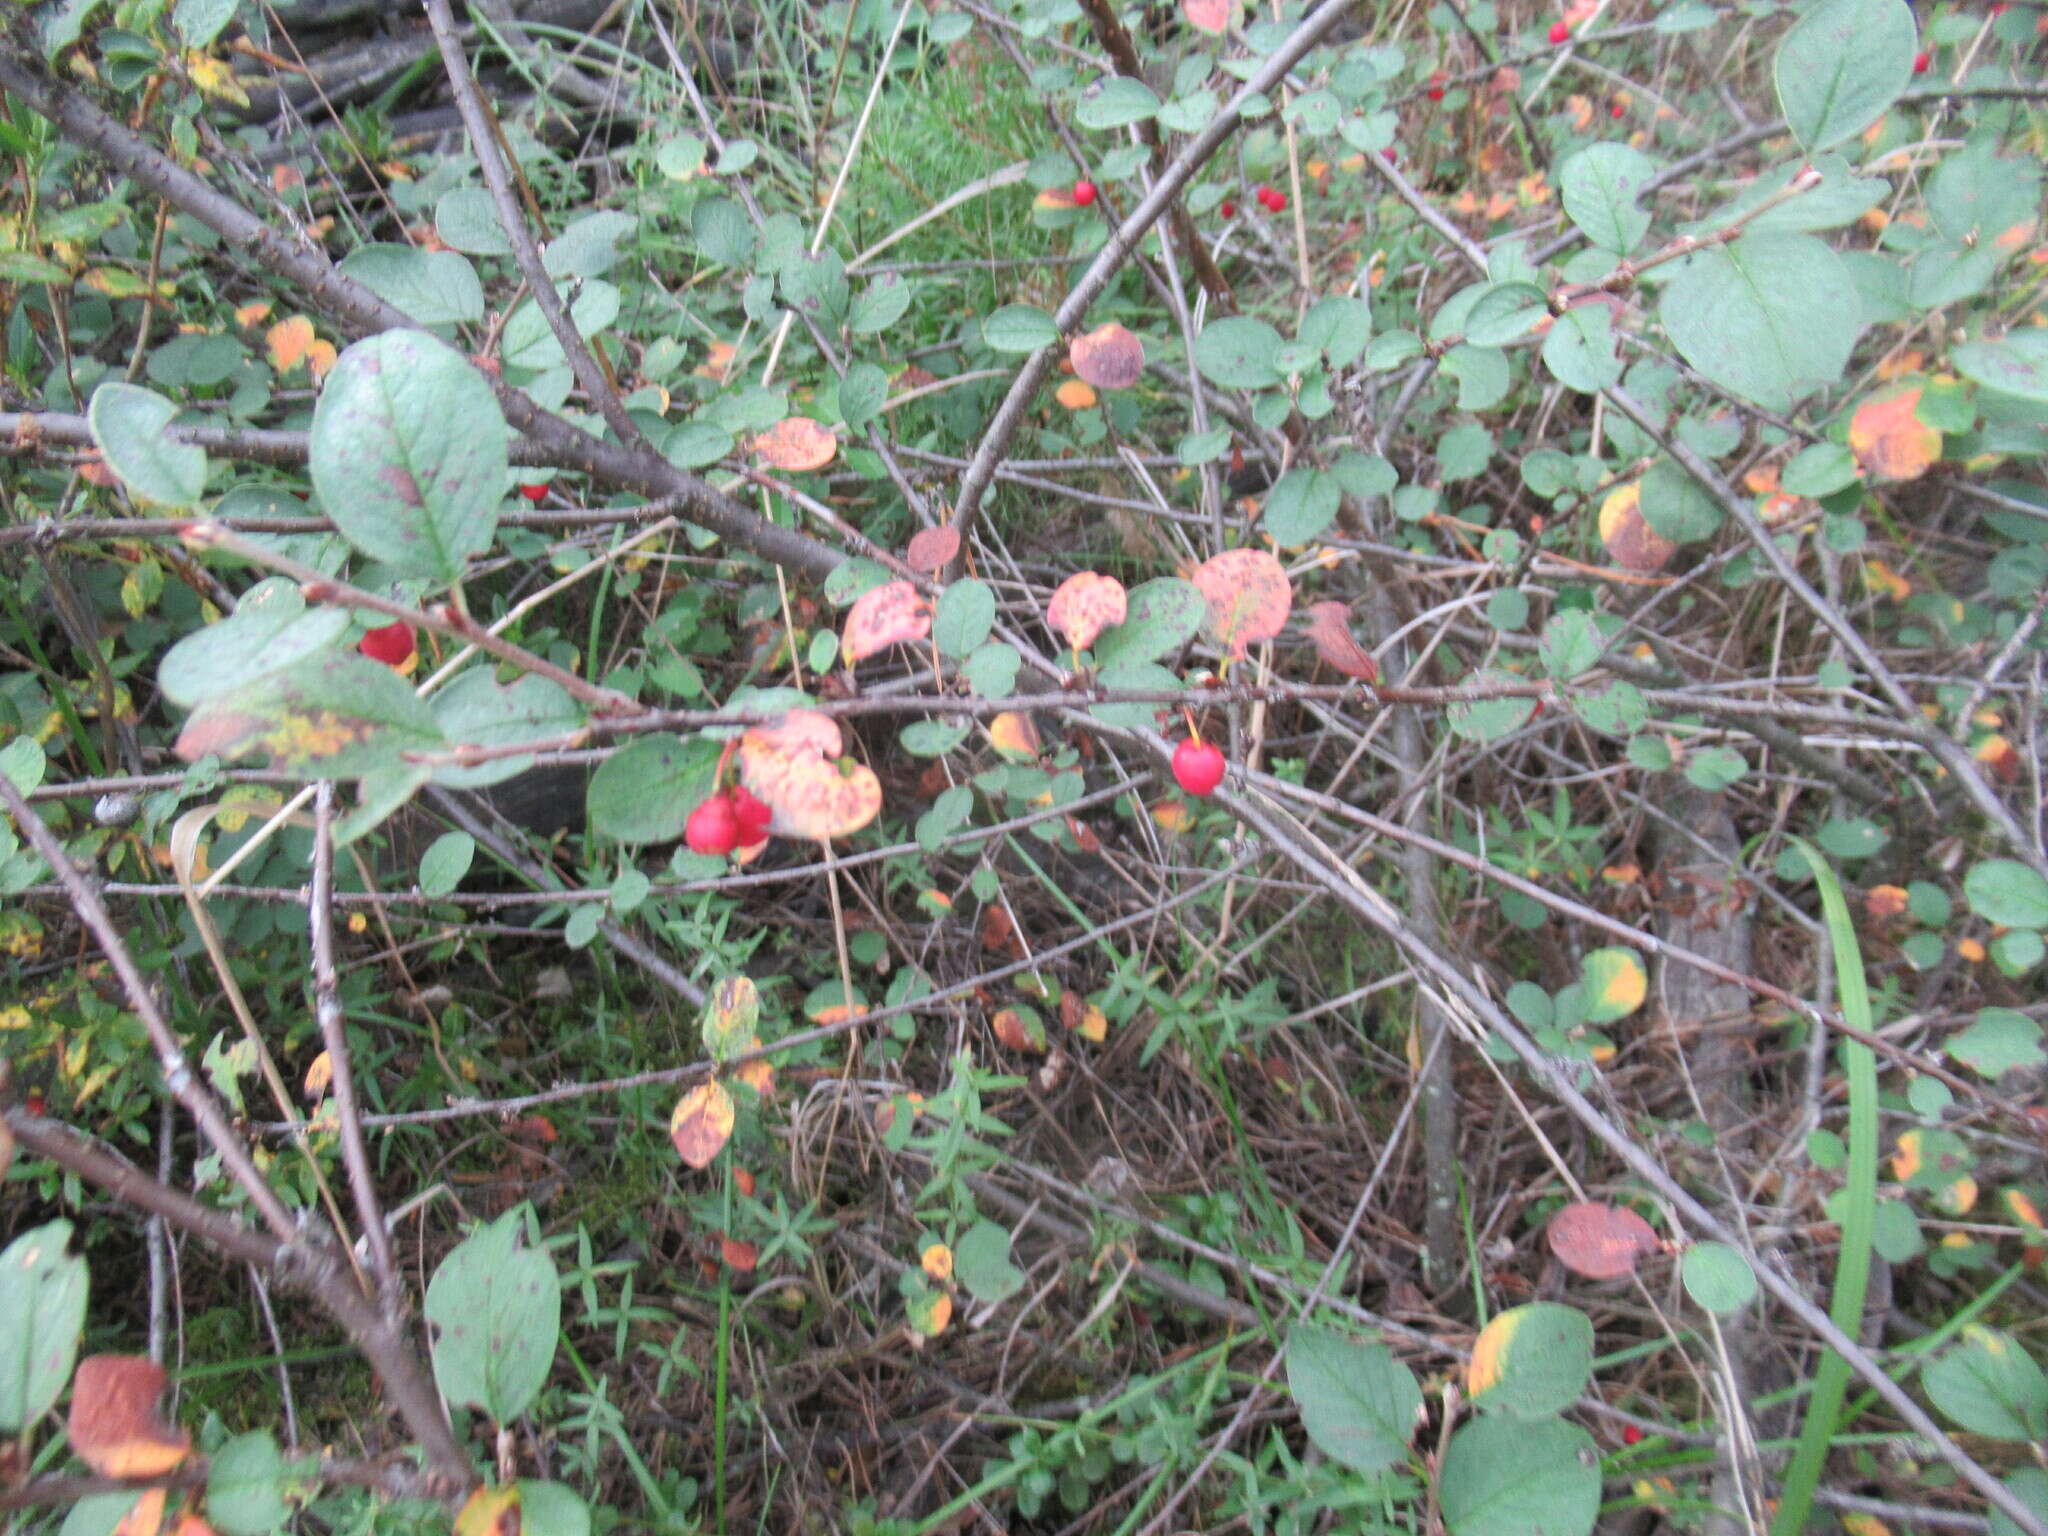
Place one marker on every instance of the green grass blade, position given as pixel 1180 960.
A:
pixel 1852 1265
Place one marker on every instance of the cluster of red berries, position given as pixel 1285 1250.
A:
pixel 1436 86
pixel 1270 200
pixel 1198 766
pixel 732 818
pixel 1084 193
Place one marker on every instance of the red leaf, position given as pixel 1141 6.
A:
pixel 1330 630
pixel 114 1426
pixel 891 614
pixel 1249 597
pixel 1601 1242
pixel 1108 357
pixel 794 767
pixel 931 549
pixel 1084 606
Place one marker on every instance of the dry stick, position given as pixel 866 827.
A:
pixel 1309 854
pixel 334 1037
pixel 1952 757
pixel 1118 249
pixel 298 1261
pixel 198 1100
pixel 341 296
pixel 476 120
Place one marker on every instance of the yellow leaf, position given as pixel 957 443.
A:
pixel 490 1512
pixel 1489 1352
pixel 215 78
pixel 289 342
pixel 702 1123
pixel 1889 440
pixel 937 1261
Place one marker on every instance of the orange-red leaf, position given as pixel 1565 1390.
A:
pixel 1075 394
pixel 702 1123
pixel 1018 1032
pixel 114 1426
pixel 1889 441
pixel 932 549
pixel 1629 538
pixel 1207 15
pixel 289 341
pixel 1012 734
pixel 892 614
pixel 1329 628
pixel 1601 1242
pixel 794 766
pixel 739 1255
pixel 797 443
pixel 1084 606
pixel 1109 357
pixel 937 1262
pixel 490 1511
pixel 1248 596
pixel 319 1077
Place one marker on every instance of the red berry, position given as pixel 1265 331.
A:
pixel 1436 86
pixel 1277 202
pixel 1084 193
pixel 1229 209
pixel 391 644
pixel 534 493
pixel 712 827
pixel 1560 32
pixel 34 1104
pixel 752 816
pixel 1617 110
pixel 1921 62
pixel 1630 1435
pixel 1387 154
pixel 1198 767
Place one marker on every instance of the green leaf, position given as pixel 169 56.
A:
pixel 2029 1485
pixel 1338 326
pixel 409 454
pixel 965 614
pixel 1579 349
pixel 332 715
pixel 1508 1477
pixel 1678 506
pixel 589 247
pixel 550 1509
pixel 1505 312
pixel 2015 365
pixel 722 231
pixel 1991 1386
pixel 1481 372
pixel 1613 983
pixel 432 287
pixel 98 1514
pixel 1819 470
pixel 880 305
pixel 1571 644
pixel 1490 719
pixel 1532 1360
pixel 1358 1403
pixel 199 22
pixel 1116 101
pixel 1599 187
pixel 1712 768
pixel 2008 893
pixel 1019 328
pixel 128 424
pixel 645 793
pixel 1239 352
pixel 1133 675
pixel 1300 506
pixel 981 1261
pixel 42 1308
pixel 475 711
pixel 2000 1040
pixel 1771 317
pixel 271 628
pixel 1718 1277
pixel 496 1308
pixel 467 219
pixel 1160 616
pixel 1841 65
pixel 1841 198
pixel 245 1483
pixel 445 862
pixel 948 814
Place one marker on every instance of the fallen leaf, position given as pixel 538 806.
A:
pixel 1109 357
pixel 932 549
pixel 1630 540
pixel 114 1426
pixel 1329 628
pixel 1075 394
pixel 1084 605
pixel 794 766
pixel 1598 1241
pixel 702 1123
pixel 1248 597
pixel 894 613
pixel 1889 440
pixel 795 444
